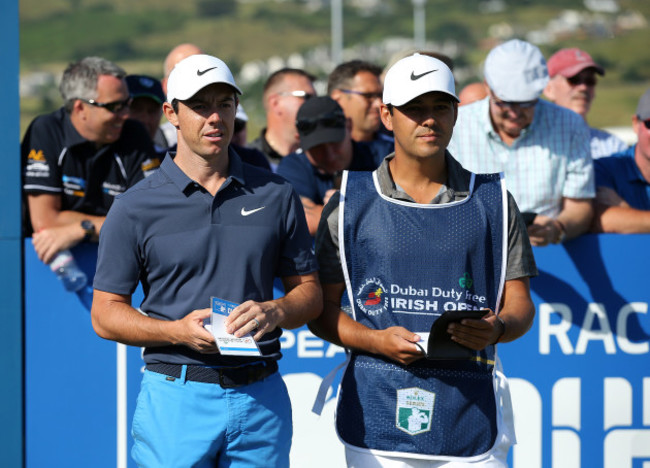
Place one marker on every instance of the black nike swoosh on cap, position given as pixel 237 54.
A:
pixel 417 77
pixel 201 73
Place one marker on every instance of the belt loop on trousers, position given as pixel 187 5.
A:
pixel 183 376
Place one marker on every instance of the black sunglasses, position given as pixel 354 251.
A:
pixel 645 122
pixel 515 105
pixel 332 120
pixel 578 80
pixel 115 107
pixel 368 96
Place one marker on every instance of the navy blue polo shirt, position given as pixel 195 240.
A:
pixel 56 159
pixel 620 173
pixel 186 246
pixel 311 183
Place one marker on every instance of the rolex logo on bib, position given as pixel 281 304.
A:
pixel 414 410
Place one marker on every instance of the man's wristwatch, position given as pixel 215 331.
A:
pixel 89 230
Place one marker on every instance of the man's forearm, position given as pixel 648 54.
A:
pixel 302 302
pixel 337 327
pixel 621 220
pixel 118 321
pixel 518 310
pixel 71 217
pixel 576 217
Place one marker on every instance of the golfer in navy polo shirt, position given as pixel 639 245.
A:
pixel 206 225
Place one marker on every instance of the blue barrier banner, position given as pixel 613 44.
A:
pixel 580 378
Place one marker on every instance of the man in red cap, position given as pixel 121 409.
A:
pixel 573 85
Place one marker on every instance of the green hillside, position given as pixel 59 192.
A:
pixel 138 35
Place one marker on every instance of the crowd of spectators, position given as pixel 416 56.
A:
pixel 547 153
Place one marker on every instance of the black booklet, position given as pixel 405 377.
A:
pixel 440 345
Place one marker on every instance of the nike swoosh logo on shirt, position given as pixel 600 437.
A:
pixel 201 73
pixel 417 77
pixel 245 212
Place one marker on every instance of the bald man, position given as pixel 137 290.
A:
pixel 472 92
pixel 166 135
pixel 177 54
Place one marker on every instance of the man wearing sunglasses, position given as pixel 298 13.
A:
pixel 542 148
pixel 284 92
pixel 572 85
pixel 77 159
pixel 623 181
pixel 326 150
pixel 356 86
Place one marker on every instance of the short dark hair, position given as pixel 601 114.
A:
pixel 344 73
pixel 277 76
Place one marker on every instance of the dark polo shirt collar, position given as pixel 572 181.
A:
pixel 188 186
pixel 71 137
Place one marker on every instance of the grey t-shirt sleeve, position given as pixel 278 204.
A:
pixel 521 261
pixel 327 243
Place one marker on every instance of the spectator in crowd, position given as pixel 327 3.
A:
pixel 147 97
pixel 356 87
pixel 623 181
pixel 205 226
pixel 326 149
pixel 166 136
pixel 542 148
pixel 405 226
pixel 472 92
pixel 77 159
pixel 284 92
pixel 572 85
pixel 240 136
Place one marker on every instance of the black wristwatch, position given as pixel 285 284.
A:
pixel 89 230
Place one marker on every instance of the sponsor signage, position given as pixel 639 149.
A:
pixel 580 378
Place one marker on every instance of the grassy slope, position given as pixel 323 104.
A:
pixel 139 34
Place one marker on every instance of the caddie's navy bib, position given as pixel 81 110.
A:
pixel 405 264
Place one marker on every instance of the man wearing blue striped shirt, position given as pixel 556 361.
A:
pixel 542 148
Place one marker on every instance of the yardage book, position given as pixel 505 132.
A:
pixel 229 344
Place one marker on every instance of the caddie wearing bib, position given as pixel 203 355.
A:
pixel 415 238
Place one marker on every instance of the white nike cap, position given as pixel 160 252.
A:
pixel 516 71
pixel 416 75
pixel 194 73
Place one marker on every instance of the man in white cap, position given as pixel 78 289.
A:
pixel 206 226
pixel 572 84
pixel 542 148
pixel 417 237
